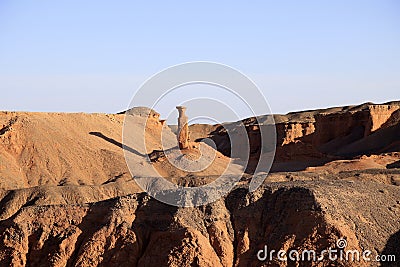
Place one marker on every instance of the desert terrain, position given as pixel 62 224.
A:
pixel 67 197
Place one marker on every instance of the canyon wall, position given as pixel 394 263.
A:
pixel 136 230
pixel 323 134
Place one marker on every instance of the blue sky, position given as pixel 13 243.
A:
pixel 91 56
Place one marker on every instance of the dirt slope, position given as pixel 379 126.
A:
pixel 59 149
pixel 64 149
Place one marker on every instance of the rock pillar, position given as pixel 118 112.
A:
pixel 183 129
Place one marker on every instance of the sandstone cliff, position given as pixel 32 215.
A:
pixel 315 137
pixel 136 230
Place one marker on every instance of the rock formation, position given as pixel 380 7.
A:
pixel 183 128
pixel 68 199
pixel 315 137
pixel 135 230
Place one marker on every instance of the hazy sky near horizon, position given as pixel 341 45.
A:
pixel 91 56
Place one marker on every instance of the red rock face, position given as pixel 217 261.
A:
pixel 357 123
pixel 136 230
pixel 380 116
pixel 324 134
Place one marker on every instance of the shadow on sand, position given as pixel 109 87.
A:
pixel 113 141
